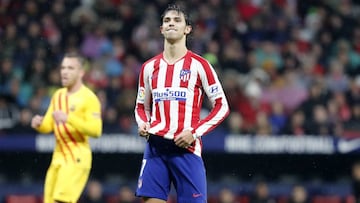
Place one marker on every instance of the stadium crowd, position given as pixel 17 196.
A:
pixel 288 67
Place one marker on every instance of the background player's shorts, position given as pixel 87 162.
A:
pixel 65 182
pixel 165 163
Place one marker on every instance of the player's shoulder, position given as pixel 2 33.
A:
pixel 86 90
pixel 196 56
pixel 200 59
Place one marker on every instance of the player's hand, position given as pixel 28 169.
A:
pixel 36 121
pixel 184 139
pixel 143 129
pixel 60 116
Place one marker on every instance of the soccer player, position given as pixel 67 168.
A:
pixel 171 89
pixel 73 115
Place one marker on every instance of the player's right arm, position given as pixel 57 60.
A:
pixel 44 124
pixel 143 102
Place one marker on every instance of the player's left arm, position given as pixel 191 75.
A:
pixel 215 93
pixel 91 123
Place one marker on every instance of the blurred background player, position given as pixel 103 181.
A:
pixel 299 194
pixel 94 193
pixel 170 94
pixel 73 115
pixel 356 181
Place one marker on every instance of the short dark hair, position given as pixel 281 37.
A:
pixel 177 8
pixel 76 55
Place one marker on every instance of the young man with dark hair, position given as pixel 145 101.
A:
pixel 171 89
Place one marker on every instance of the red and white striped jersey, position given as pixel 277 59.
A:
pixel 170 96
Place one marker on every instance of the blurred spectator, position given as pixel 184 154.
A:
pixel 263 126
pixel 299 195
pixel 355 174
pixel 235 124
pixel 111 121
pixel 9 43
pixel 127 195
pixel 94 193
pixel 352 127
pixel 95 42
pixel 353 94
pixel 22 126
pixel 317 96
pixel 268 58
pixel 250 104
pixel 226 195
pixel 261 194
pixel 96 77
pixel 336 80
pixel 84 14
pixel 320 123
pixel 7 74
pixel 277 117
pixel 296 124
pixel 9 112
pixel 36 73
pixel 233 56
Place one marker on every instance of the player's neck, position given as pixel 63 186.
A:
pixel 173 52
pixel 74 88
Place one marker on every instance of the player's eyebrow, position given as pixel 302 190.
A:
pixel 68 66
pixel 177 18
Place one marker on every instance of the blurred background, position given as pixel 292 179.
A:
pixel 290 70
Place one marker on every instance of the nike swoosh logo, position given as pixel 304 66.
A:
pixel 345 146
pixel 196 195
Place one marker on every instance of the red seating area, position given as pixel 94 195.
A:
pixel 326 199
pixel 23 199
pixel 212 199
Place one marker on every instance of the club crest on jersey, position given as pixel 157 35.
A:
pixel 72 108
pixel 185 75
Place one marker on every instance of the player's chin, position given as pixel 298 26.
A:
pixel 172 37
pixel 65 83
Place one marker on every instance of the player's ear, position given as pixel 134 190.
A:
pixel 161 29
pixel 82 72
pixel 188 29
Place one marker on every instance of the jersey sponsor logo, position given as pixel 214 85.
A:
pixel 141 94
pixel 214 90
pixel 169 94
pixel 185 75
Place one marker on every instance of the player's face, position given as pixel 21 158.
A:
pixel 174 26
pixel 71 71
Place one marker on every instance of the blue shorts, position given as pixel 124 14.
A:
pixel 164 164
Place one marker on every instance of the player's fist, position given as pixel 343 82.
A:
pixel 184 139
pixel 36 121
pixel 143 129
pixel 60 116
